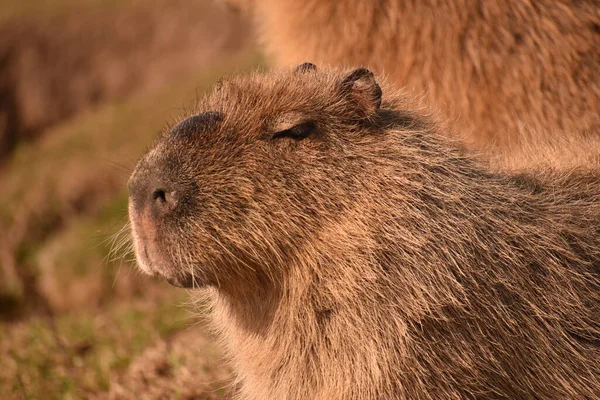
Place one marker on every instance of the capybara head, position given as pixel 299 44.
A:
pixel 264 162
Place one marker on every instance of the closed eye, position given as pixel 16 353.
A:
pixel 297 132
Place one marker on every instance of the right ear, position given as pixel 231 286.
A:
pixel 305 67
pixel 361 88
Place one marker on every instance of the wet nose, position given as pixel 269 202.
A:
pixel 160 198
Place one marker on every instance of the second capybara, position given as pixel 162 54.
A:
pixel 495 70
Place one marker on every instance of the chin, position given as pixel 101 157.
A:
pixel 182 279
pixel 146 264
pixel 186 281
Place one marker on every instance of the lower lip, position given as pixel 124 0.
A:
pixel 188 282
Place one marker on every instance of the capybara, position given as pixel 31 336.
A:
pixel 350 249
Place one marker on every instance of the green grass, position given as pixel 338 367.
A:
pixel 85 350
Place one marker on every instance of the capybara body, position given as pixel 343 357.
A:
pixel 352 250
pixel 493 69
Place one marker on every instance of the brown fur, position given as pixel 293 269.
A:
pixel 371 257
pixel 492 68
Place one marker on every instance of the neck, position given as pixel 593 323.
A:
pixel 296 329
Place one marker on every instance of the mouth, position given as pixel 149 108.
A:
pixel 151 260
pixel 186 281
pixel 181 280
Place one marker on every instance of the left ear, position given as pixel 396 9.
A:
pixel 362 89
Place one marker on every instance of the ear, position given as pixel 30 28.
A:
pixel 305 67
pixel 360 86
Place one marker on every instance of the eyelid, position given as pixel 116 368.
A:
pixel 297 132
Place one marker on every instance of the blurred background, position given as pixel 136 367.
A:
pixel 84 87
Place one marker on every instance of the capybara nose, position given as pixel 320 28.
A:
pixel 151 194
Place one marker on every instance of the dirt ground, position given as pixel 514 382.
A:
pixel 84 86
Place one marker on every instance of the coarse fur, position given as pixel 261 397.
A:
pixel 494 69
pixel 352 250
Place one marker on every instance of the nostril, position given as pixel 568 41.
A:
pixel 164 200
pixel 159 195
